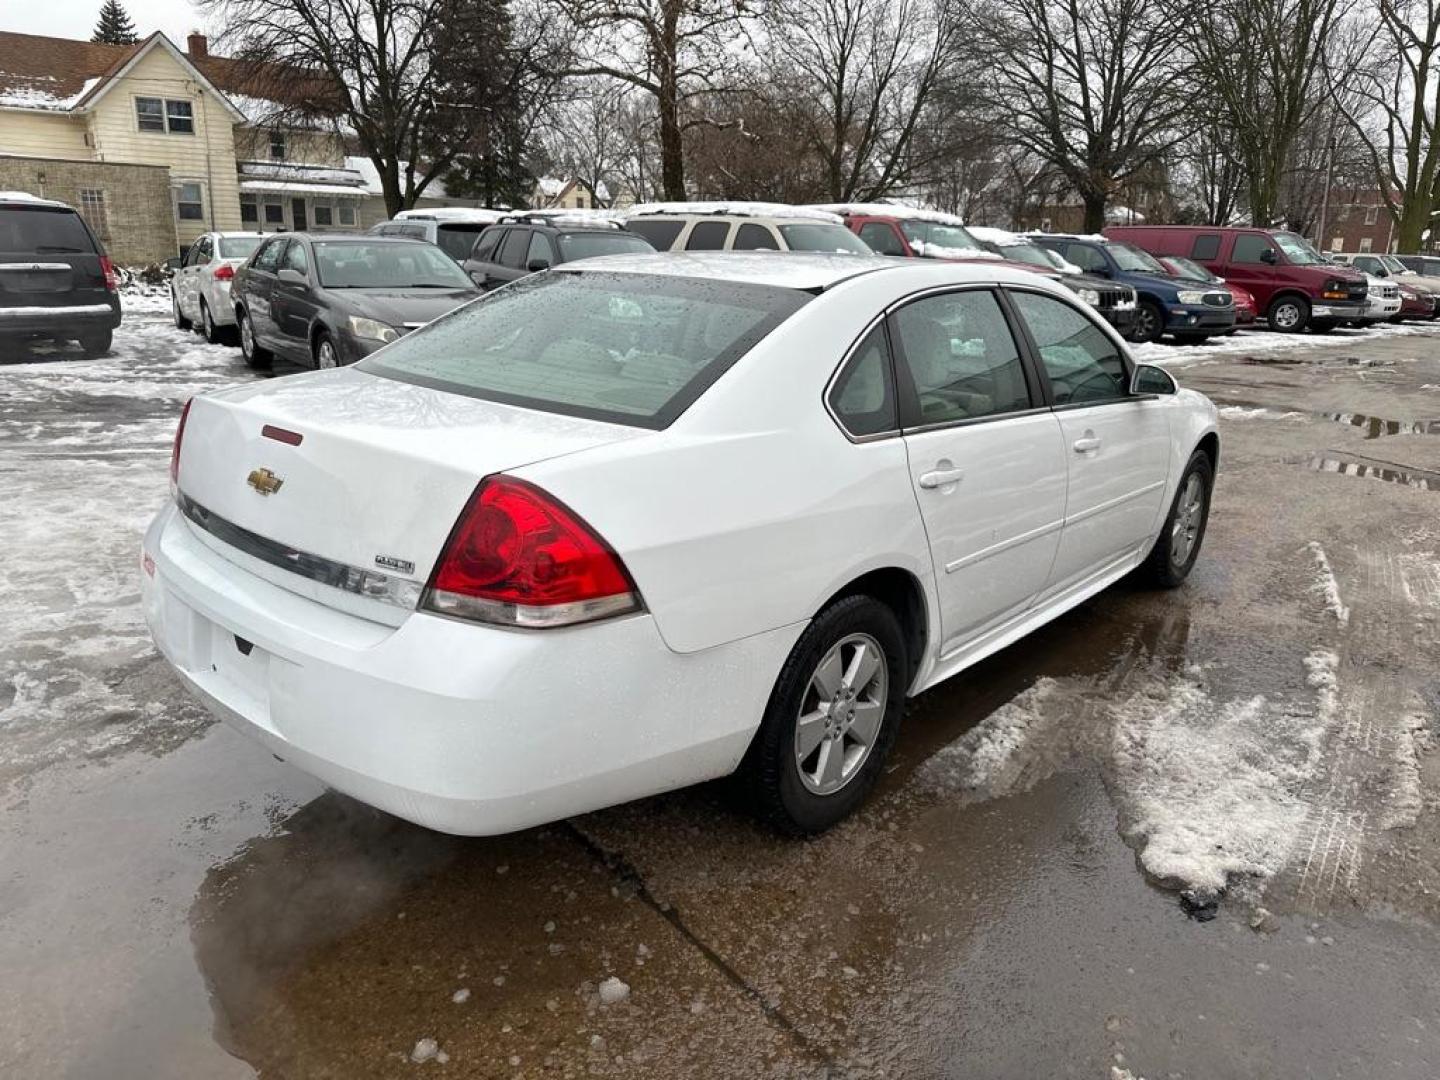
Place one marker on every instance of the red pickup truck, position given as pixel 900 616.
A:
pixel 1292 283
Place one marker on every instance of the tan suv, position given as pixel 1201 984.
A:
pixel 739 226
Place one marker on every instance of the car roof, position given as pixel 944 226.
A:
pixel 807 271
pixel 728 210
pixel 895 211
pixel 367 238
pixel 452 214
pixel 32 200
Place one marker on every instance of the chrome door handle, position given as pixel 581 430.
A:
pixel 1087 444
pixel 940 477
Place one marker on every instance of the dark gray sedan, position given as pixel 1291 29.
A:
pixel 330 300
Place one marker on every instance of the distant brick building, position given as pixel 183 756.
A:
pixel 1357 221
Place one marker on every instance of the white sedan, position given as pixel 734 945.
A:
pixel 200 287
pixel 644 521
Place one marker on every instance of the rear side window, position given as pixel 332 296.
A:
pixel 863 397
pixel 488 242
pixel 707 236
pixel 961 357
pixel 1249 247
pixel 659 232
pixel 1206 247
pixel 752 237
pixel 37 231
pixel 633 349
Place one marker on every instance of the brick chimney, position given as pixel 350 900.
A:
pixel 197 46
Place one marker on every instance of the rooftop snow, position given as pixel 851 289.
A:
pixel 36 97
pixel 896 210
pixel 738 209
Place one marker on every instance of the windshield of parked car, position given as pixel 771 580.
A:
pixel 239 247
pixel 1298 251
pixel 361 264
pixel 34 230
pixel 1191 271
pixel 587 245
pixel 934 240
pixel 822 236
pixel 1394 265
pixel 1025 253
pixel 633 349
pixel 1135 261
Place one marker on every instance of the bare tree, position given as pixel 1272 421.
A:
pixel 1260 63
pixel 1392 104
pixel 868 70
pixel 1086 85
pixel 675 51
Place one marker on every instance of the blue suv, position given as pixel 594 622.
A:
pixel 1165 305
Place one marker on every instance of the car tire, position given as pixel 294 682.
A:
pixel 256 355
pixel 181 322
pixel 208 330
pixel 97 344
pixel 1149 322
pixel 1178 545
pixel 784 775
pixel 324 352
pixel 1288 314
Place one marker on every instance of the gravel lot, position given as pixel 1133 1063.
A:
pixel 1182 835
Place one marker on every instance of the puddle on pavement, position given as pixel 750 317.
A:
pixel 1390 473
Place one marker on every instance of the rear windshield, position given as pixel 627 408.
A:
pixel 632 349
pixel 824 237
pixel 239 247
pixel 359 264
pixel 456 239
pixel 587 245
pixel 44 232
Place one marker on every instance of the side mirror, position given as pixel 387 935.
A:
pixel 1099 271
pixel 174 263
pixel 1149 379
pixel 1268 256
pixel 1380 271
pixel 291 276
pixel 536 265
pixel 479 277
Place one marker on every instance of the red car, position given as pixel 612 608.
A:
pixel 1190 270
pixel 1293 284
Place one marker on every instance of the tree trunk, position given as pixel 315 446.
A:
pixel 1094 210
pixel 672 146
pixel 1414 217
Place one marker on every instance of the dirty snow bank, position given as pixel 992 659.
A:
pixel 1328 585
pixel 1205 789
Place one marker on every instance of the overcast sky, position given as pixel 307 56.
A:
pixel 76 18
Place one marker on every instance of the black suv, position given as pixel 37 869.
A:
pixel 55 279
pixel 529 243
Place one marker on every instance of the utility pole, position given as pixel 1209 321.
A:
pixel 1325 193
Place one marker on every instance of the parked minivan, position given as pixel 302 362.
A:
pixel 55 279
pixel 1293 284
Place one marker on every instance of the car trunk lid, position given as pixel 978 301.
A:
pixel 353 480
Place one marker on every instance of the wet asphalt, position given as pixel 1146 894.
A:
pixel 174 902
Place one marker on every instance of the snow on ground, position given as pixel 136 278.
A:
pixel 1240 412
pixel 1207 789
pixel 1327 584
pixel 84 457
pixel 1264 341
pixel 139 299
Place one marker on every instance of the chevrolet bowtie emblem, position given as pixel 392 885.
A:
pixel 264 481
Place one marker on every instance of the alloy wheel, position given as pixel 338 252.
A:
pixel 325 354
pixel 247 337
pixel 1189 515
pixel 841 714
pixel 1287 316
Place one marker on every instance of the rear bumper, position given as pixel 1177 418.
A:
pixel 457 727
pixel 62 322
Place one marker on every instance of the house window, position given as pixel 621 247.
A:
pixel 150 114
pixel 274 213
pixel 92 209
pixel 277 146
pixel 580 202
pixel 1337 243
pixel 1342 211
pixel 189 203
pixel 180 117
pixel 1365 243
pixel 1371 212
pixel 162 115
pixel 322 214
pixel 347 213
pixel 249 210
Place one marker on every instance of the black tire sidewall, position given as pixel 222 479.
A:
pixel 1157 314
pixel 1169 573
pixel 771 765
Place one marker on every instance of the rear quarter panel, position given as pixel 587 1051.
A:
pixel 754 508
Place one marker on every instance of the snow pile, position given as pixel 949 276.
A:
pixel 1327 584
pixel 613 991
pixel 994 757
pixel 940 251
pixel 1209 790
pixel 1240 412
pixel 1264 341
pixel 739 209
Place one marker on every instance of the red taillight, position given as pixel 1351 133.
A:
pixel 518 557
pixel 175 450
pixel 112 279
pixel 223 272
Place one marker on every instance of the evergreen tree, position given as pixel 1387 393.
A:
pixel 114 27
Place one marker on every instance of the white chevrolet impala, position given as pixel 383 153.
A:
pixel 648 520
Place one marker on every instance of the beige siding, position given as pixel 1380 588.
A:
pixel 207 157
pixel 39 134
pixel 301 147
